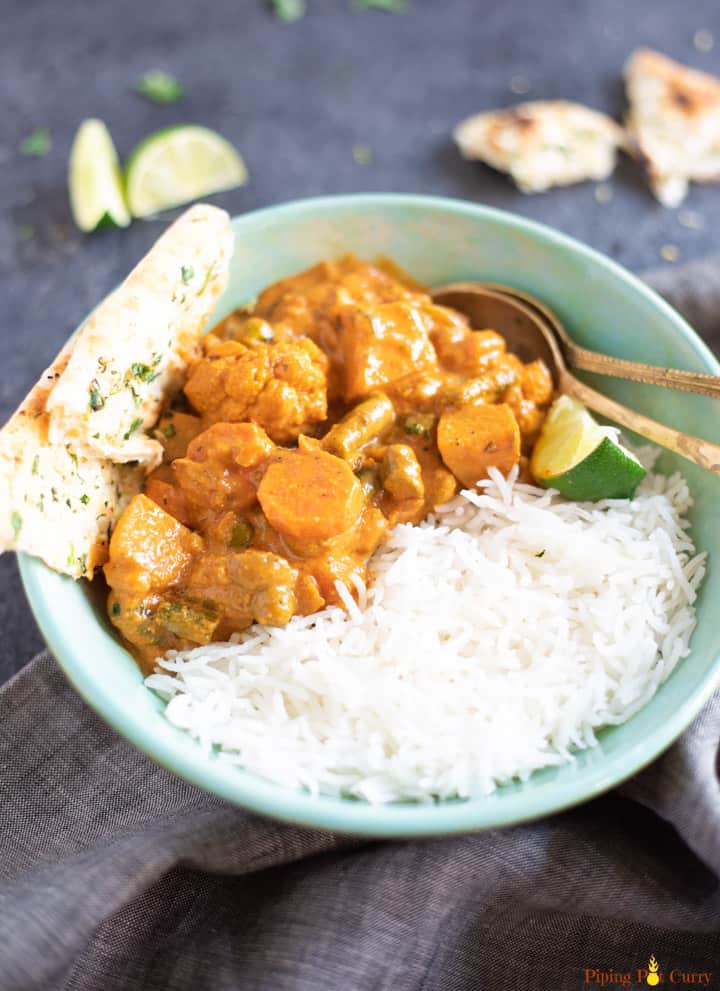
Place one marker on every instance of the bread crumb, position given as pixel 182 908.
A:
pixel 691 219
pixel 703 40
pixel 519 85
pixel 603 193
pixel 670 252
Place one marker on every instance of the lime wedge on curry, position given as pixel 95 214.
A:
pixel 179 164
pixel 95 180
pixel 579 458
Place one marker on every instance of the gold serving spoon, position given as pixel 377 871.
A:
pixel 604 364
pixel 529 336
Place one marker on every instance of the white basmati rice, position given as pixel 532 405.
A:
pixel 493 640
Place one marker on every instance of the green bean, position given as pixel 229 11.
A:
pixel 366 422
pixel 402 477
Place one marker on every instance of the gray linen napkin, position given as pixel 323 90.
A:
pixel 115 875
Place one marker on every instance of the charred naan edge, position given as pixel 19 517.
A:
pixel 56 505
pixel 131 355
pixel 674 123
pixel 543 143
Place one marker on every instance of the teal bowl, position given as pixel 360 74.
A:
pixel 603 307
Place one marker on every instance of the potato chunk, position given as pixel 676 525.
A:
pixel 149 549
pixel 310 495
pixel 246 586
pixel 384 343
pixel 473 438
pixel 280 386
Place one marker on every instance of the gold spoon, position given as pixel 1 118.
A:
pixel 529 337
pixel 605 364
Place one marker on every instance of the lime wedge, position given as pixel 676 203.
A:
pixel 179 164
pixel 95 180
pixel 579 458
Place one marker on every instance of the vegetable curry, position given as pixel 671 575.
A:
pixel 344 402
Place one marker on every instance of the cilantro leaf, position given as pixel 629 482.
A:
pixel 97 400
pixel 160 87
pixel 132 428
pixel 143 372
pixel 288 10
pixel 36 144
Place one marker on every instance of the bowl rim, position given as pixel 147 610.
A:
pixel 401 820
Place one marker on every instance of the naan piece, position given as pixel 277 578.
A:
pixel 69 459
pixel 54 504
pixel 674 123
pixel 131 355
pixel 543 143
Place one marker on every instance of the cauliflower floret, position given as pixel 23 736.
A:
pixel 282 386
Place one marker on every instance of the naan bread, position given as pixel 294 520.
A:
pixel 544 143
pixel 674 123
pixel 61 487
pixel 54 504
pixel 131 355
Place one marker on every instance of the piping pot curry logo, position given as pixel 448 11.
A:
pixel 651 976
pixel 653 966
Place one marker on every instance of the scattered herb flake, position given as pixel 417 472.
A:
pixel 143 372
pixel 208 276
pixel 116 609
pixel 413 428
pixel 82 562
pixel 36 462
pixel 391 6
pixel 16 523
pixel 288 10
pixel 187 272
pixel 362 154
pixel 97 400
pixel 169 430
pixel 132 428
pixel 160 87
pixel 540 553
pixel 71 556
pixel 25 232
pixel 84 498
pixel 37 144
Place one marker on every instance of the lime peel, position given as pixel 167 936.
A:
pixel 179 164
pixel 95 179
pixel 581 459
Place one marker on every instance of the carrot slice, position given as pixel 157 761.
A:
pixel 310 495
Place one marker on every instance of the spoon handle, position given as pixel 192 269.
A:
pixel 671 378
pixel 702 452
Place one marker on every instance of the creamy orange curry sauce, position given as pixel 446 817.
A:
pixel 344 402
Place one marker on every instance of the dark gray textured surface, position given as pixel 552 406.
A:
pixel 295 98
